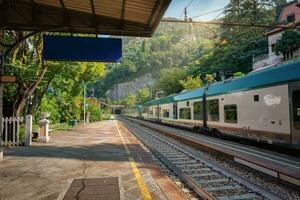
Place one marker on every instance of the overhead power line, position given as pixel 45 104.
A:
pixel 189 3
pixel 216 17
pixel 213 11
pixel 228 23
pixel 184 12
pixel 210 12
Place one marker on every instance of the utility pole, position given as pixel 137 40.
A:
pixel 1 91
pixel 185 14
pixel 84 103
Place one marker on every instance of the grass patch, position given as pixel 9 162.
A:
pixel 60 127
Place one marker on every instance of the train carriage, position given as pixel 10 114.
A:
pixel 264 105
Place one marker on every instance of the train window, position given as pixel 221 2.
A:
pixel 213 110
pixel 198 110
pixel 256 98
pixel 151 112
pixel 185 113
pixel 296 108
pixel 230 113
pixel 165 113
pixel 145 110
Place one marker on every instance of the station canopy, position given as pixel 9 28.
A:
pixel 111 17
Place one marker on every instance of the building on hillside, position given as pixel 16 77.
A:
pixel 290 17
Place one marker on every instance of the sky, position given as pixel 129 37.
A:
pixel 197 7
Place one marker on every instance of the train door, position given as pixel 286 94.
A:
pixel 295 111
pixel 175 111
pixel 157 112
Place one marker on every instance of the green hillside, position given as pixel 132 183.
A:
pixel 203 53
pixel 173 45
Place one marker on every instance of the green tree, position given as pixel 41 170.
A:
pixel 191 83
pixel 129 100
pixel 35 77
pixel 168 81
pixel 27 65
pixel 170 46
pixel 68 89
pixel 49 104
pixel 288 44
pixel 209 79
pixel 238 74
pixel 143 95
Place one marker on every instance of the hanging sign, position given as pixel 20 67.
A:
pixel 70 48
pixel 7 79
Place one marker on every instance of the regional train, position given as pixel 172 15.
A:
pixel 263 105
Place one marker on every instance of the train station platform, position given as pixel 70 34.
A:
pixel 98 161
pixel 280 166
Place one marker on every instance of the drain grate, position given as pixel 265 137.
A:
pixel 94 188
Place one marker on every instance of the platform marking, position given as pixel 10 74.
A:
pixel 144 190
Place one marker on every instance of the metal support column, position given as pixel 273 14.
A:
pixel 84 103
pixel 204 105
pixel 1 91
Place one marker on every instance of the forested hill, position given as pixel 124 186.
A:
pixel 173 45
pixel 193 52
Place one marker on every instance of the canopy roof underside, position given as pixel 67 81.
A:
pixel 113 17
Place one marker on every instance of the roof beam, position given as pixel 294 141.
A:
pixel 2 12
pixel 93 7
pixel 94 14
pixel 65 15
pixel 123 14
pixel 156 14
pixel 62 4
pixel 153 13
pixel 32 11
pixel 32 15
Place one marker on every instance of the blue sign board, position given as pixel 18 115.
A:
pixel 85 49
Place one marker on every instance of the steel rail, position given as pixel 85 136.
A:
pixel 187 178
pixel 190 182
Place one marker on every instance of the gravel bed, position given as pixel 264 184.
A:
pixel 173 153
pixel 285 189
pixel 185 189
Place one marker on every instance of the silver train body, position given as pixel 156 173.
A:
pixel 264 106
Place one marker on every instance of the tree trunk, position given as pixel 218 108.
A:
pixel 38 97
pixel 30 91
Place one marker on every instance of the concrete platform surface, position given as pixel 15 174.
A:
pixel 46 171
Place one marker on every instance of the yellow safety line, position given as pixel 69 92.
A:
pixel 144 190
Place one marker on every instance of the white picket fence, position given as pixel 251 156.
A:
pixel 11 130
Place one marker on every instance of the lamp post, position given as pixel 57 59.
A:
pixel 84 103
pixel 1 90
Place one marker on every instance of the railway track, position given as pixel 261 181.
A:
pixel 205 178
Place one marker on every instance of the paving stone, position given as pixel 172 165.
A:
pixel 46 171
